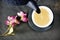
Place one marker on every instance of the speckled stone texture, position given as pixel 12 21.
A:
pixel 23 31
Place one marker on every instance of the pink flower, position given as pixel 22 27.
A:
pixel 12 21
pixel 23 16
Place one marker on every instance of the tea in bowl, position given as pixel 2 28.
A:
pixel 43 20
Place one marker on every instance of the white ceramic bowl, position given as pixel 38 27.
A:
pixel 50 15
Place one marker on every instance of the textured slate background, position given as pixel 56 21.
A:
pixel 23 31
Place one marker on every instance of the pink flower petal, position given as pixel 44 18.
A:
pixel 24 19
pixel 20 13
pixel 10 18
pixel 13 17
pixel 17 22
pixel 25 14
pixel 7 22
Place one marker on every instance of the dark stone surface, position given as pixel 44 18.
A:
pixel 23 31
